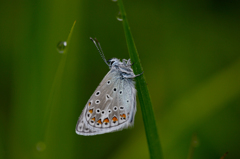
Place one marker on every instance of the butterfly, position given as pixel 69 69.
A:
pixel 112 107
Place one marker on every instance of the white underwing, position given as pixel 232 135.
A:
pixel 112 106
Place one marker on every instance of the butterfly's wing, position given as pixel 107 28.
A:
pixel 112 106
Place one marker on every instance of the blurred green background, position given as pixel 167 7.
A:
pixel 190 56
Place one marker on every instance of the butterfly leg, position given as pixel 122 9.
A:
pixel 139 74
pixel 131 76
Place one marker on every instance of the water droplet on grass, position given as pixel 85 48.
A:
pixel 119 17
pixel 61 46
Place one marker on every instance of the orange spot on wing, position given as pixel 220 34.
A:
pixel 93 119
pixel 90 111
pixel 106 120
pixel 123 115
pixel 99 121
pixel 89 103
pixel 114 119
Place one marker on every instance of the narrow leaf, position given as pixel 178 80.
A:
pixel 143 94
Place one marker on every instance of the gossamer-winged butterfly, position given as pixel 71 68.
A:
pixel 112 106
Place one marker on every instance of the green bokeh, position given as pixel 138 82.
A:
pixel 190 56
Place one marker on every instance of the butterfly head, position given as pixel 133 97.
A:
pixel 113 62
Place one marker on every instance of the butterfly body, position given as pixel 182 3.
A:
pixel 112 106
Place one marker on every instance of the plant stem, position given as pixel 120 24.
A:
pixel 143 94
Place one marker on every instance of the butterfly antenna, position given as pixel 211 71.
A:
pixel 102 54
pixel 98 46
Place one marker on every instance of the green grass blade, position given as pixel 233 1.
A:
pixel 54 93
pixel 143 94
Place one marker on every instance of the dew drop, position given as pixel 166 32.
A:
pixel 61 46
pixel 119 17
pixel 40 146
